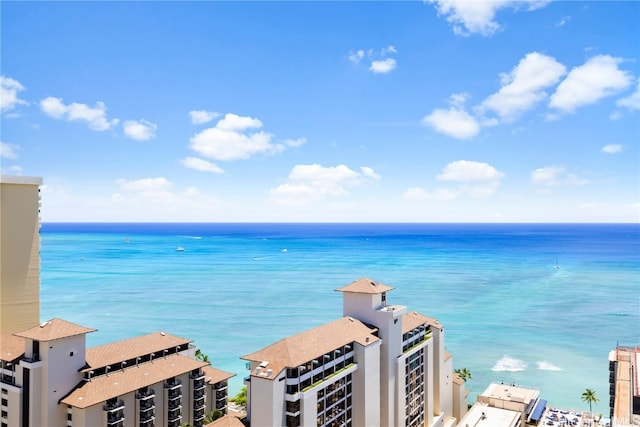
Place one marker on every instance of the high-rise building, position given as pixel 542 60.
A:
pixel 19 253
pixel 624 386
pixel 378 365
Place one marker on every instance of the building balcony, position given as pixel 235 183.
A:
pixel 220 386
pixel 173 385
pixel 114 406
pixel 197 377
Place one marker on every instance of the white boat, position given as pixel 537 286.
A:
pixel 179 249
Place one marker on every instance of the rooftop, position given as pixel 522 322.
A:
pixel 14 179
pixel 54 329
pixel 305 346
pixel 510 393
pixel 11 347
pixel 118 383
pixel 487 416
pixel 131 348
pixel 214 375
pixel 365 286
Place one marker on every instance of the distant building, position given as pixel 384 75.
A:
pixel 504 405
pixel 19 253
pixel 624 386
pixel 379 365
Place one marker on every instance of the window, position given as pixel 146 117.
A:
pixel 71 354
pixel 4 402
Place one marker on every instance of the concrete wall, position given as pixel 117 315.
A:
pixel 19 253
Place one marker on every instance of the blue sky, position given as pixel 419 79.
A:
pixel 436 111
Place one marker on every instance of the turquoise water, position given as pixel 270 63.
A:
pixel 536 305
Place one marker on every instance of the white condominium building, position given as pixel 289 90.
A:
pixel 379 365
pixel 50 379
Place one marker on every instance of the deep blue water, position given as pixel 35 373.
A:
pixel 540 305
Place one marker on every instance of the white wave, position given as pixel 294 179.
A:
pixel 510 364
pixel 546 366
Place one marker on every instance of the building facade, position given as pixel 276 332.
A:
pixel 378 365
pixel 19 253
pixel 624 386
pixel 50 379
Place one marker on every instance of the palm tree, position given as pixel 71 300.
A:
pixel 201 356
pixel 464 374
pixel 589 396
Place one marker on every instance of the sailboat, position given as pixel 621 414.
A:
pixel 179 249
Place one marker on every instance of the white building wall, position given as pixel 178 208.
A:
pixel 446 388
pixel 61 361
pixel 14 404
pixel 366 385
pixel 267 402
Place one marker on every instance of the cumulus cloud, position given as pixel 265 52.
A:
pixel 612 148
pixel 145 185
pixel 312 182
pixel 586 84
pixel 294 142
pixel 8 151
pixel 383 66
pixel 469 170
pixel 478 16
pixel 233 138
pixel 9 89
pixel 199 117
pixel 141 130
pixel 380 62
pixel 95 117
pixel 632 102
pixel 200 165
pixel 524 86
pixel 440 194
pixel 554 176
pixel 454 122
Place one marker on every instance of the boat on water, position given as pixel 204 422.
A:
pixel 179 249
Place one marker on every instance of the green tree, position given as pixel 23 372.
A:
pixel 241 398
pixel 212 416
pixel 464 374
pixel 589 396
pixel 201 356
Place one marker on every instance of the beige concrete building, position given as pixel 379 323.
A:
pixel 379 365
pixel 624 386
pixel 504 405
pixel 19 253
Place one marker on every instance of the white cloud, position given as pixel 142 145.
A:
pixel 231 140
pixel 295 142
pixel 524 86
pixel 478 16
pixel 95 117
pixel 554 176
pixel 312 182
pixel 632 102
pixel 469 171
pixel 380 61
pixel 454 122
pixel 199 117
pixel 145 185
pixel 356 56
pixel 139 130
pixel 383 66
pixel 598 78
pixel 200 165
pixel 612 148
pixel 9 89
pixel 440 194
pixel 563 21
pixel 233 122
pixel 8 151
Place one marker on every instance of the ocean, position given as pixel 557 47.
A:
pixel 537 305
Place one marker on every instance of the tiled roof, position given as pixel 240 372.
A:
pixel 300 348
pixel 414 319
pixel 118 383
pixel 365 286
pixel 456 379
pixel 54 329
pixel 11 347
pixel 131 348
pixel 226 421
pixel 214 375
